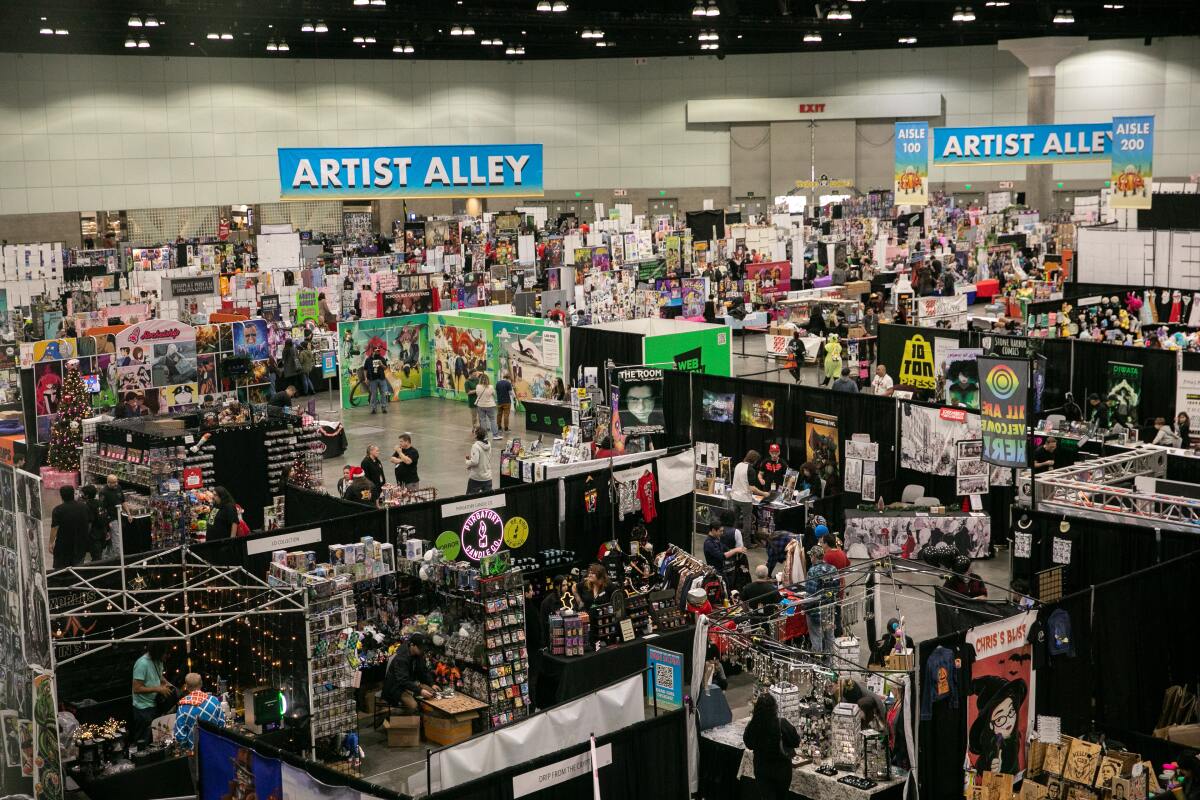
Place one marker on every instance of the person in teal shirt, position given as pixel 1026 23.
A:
pixel 148 685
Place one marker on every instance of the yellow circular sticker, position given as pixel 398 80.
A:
pixel 516 532
pixel 447 542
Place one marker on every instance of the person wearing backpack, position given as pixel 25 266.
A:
pixel 773 740
pixel 226 521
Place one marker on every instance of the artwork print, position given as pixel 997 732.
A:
pixel 758 412
pixel 403 344
pixel 47 777
pixel 717 406
pixel 903 535
pixel 531 356
pixel 927 438
pixel 999 706
pixel 458 351
pixel 821 445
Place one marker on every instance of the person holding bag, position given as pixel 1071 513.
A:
pixel 773 740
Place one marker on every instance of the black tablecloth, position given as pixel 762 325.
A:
pixel 564 678
pixel 169 778
pixel 543 417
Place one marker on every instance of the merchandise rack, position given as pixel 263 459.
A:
pixel 330 673
pixel 505 655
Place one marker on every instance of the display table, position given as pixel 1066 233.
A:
pixel 333 436
pixel 789 516
pixel 567 677
pixel 727 771
pixel 874 534
pixel 546 416
pixel 169 778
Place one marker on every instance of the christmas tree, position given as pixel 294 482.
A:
pixel 66 432
pixel 300 475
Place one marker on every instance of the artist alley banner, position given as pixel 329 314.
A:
pixel 371 173
pixel 1022 144
pixel 910 184
pixel 1132 162
pixel 1000 704
pixel 1003 397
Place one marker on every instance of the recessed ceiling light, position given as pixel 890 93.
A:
pixel 907 40
pixel 602 44
pixel 842 13
pixel 61 31
pixel 963 14
pixel 226 37
pixel 812 37
pixel 456 31
pixel 712 10
pixel 379 2
pixel 213 36
pixel 151 22
pixel 739 36
pixel 271 46
pixel 544 6
pixel 997 3
pixel 142 43
pixel 370 40
pixel 1064 17
pixel 468 31
pixel 307 27
pixel 1107 6
pixel 321 27
pixel 283 47
pixel 130 43
pixel 362 2
pixel 134 22
pixel 559 7
pixel 47 31
pixel 270 25
pixel 191 44
pixel 358 40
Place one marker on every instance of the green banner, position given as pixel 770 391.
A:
pixel 707 349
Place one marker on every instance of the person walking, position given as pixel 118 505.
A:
pixel 485 406
pixel 375 369
pixel 405 457
pixel 70 529
pixel 795 355
pixel 226 521
pixel 822 584
pixel 98 518
pixel 772 739
pixel 308 362
pixel 290 364
pixel 471 384
pixel 479 464
pixel 504 399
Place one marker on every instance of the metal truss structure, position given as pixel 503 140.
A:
pixel 157 597
pixel 1104 487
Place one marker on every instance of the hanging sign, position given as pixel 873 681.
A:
pixel 203 286
pixel 482 534
pixel 1124 392
pixel 1022 144
pixel 1132 162
pixel 371 173
pixel 916 366
pixel 910 183
pixel 1003 395
pixel 307 306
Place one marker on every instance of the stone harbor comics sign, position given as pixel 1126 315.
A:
pixel 1003 396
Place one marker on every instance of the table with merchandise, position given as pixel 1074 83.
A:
pixel 565 677
pixel 727 771
pixel 546 416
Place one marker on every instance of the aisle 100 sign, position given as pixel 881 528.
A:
pixel 482 534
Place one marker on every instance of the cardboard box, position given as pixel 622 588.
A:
pixel 856 289
pixel 403 731
pixel 447 730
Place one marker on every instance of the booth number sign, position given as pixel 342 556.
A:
pixel 482 534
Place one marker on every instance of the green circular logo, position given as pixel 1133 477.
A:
pixel 447 542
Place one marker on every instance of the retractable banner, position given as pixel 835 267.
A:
pixel 910 184
pixel 1132 162
pixel 1003 407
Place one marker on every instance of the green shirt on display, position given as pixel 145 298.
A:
pixel 150 674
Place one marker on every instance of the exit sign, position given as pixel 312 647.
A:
pixel 1006 184
pixel 620 192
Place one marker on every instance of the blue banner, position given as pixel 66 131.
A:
pixel 664 681
pixel 1022 144
pixel 371 173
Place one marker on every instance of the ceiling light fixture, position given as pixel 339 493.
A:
pixel 842 13
pixel 226 37
pixel 456 31
pixel 283 47
pixel 1113 6
pixel 151 22
pixel 61 31
pixel 379 2
pixel 46 31
pixel 408 49
pixel 358 40
pixel 321 27
pixel 907 40
pixel 307 27
pixel 559 7
pixel 997 3
pixel 468 31
pixel 710 46
pixel 1064 17
pixel 545 7
pixel 130 42
pixel 698 9
pixel 135 22
pixel 963 14
pixel 213 36
pixel 812 37
pixel 369 40
pixel 142 43
pixel 713 10
pixel 603 44
pixel 271 46
pixel 362 2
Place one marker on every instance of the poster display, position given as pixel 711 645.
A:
pixel 639 407
pixel 821 445
pixel 1187 394
pixel 403 342
pixel 693 297
pixel 970 470
pixel 307 306
pixel 1132 162
pixel 459 347
pixel 962 377
pixel 758 412
pixel 910 183
pixel 916 365
pixel 664 678
pixel 229 770
pixel 531 355
pixel 1124 393
pixel 1004 392
pixel 717 406
pixel 877 535
pixel 1000 703
pixel 928 437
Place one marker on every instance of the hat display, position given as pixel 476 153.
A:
pixel 697 597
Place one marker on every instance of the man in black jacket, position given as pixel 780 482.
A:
pixel 407 677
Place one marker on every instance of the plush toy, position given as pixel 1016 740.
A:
pixel 1123 319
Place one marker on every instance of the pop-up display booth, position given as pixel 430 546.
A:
pixel 665 343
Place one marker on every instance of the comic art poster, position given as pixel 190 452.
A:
pixel 1000 704
pixel 460 347
pixel 531 357
pixel 404 344
pixel 637 408
pixel 821 445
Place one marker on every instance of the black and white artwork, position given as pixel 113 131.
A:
pixel 874 536
pixel 928 437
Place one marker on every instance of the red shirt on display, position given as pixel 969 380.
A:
pixel 646 489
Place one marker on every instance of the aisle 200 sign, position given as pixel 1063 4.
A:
pixel 372 173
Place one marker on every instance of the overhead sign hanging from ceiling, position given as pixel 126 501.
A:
pixel 1022 144
pixel 372 173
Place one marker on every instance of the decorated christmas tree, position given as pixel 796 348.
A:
pixel 66 432
pixel 300 475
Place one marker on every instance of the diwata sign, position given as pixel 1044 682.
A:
pixel 1022 144
pixel 370 173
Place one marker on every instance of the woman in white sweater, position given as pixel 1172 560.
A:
pixel 485 405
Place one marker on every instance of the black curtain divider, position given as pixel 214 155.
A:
pixel 536 502
pixel 659 741
pixel 942 739
pixel 592 347
pixel 733 438
pixel 706 225
pixel 677 407
pixel 1170 212
pixel 1090 374
pixel 957 612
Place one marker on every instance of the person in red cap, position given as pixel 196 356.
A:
pixel 772 469
pixel 360 489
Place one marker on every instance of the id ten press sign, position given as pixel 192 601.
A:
pixel 372 173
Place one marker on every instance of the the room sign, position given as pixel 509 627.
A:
pixel 1022 144
pixel 560 771
pixel 371 173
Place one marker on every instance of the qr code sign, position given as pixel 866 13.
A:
pixel 664 677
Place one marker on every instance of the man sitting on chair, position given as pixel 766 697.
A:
pixel 407 677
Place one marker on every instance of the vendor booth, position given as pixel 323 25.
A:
pixel 669 344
